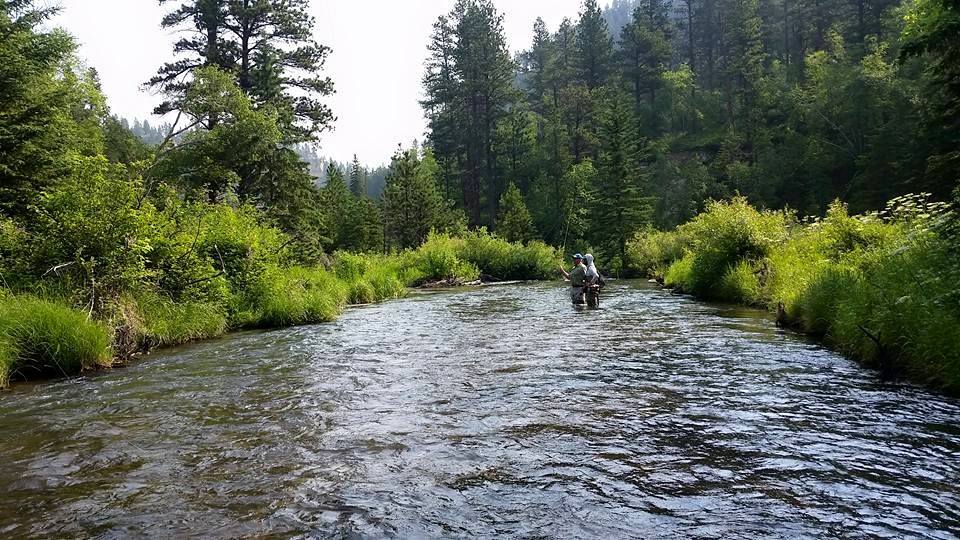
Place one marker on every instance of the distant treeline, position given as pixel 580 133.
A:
pixel 638 114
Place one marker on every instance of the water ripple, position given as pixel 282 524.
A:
pixel 487 413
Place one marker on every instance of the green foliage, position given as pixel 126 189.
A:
pixel 740 284
pixel 205 164
pixel 679 271
pixel 651 252
pixel 270 48
pixel 621 204
pixel 49 110
pixel 371 278
pixel 508 261
pixel 439 259
pixel 412 207
pixel 881 288
pixel 725 234
pixel 160 321
pixel 287 296
pixel 90 226
pixel 514 223
pixel 39 338
pixel 931 31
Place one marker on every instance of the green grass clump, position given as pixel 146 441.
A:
pixel 816 307
pixel 679 271
pixel 290 296
pixel 163 322
pixel 726 234
pixel 439 259
pixel 740 284
pixel 505 260
pixel 386 283
pixel 651 252
pixel 40 338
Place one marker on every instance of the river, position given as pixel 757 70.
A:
pixel 486 413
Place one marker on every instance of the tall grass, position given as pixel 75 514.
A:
pixel 40 338
pixel 883 288
pixel 160 321
pixel 230 274
pixel 290 296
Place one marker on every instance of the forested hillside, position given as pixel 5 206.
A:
pixel 604 130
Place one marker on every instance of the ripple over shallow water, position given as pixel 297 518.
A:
pixel 494 412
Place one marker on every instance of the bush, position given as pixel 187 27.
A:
pixel 39 338
pixel 740 284
pixel 882 288
pixel 724 235
pixel 651 252
pixel 438 259
pixel 679 271
pixel 91 226
pixel 508 261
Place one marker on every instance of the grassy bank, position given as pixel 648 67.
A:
pixel 240 279
pixel 883 288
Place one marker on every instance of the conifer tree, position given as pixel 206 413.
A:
pixel 594 46
pixel 358 184
pixel 267 44
pixel 48 111
pixel 338 202
pixel 621 204
pixel 644 54
pixel 514 223
pixel 411 205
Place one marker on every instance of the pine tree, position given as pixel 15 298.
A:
pixel 267 44
pixel 514 223
pixel 338 202
pixel 411 204
pixel 49 113
pixel 358 185
pixel 537 65
pixel 932 33
pixel 442 104
pixel 594 46
pixel 644 54
pixel 486 74
pixel 205 46
pixel 621 205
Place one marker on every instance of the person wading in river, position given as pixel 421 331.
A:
pixel 592 274
pixel 577 276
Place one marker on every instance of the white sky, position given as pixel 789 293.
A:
pixel 377 61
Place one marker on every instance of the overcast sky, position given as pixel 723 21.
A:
pixel 377 61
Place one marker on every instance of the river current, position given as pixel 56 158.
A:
pixel 493 412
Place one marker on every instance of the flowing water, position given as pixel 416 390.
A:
pixel 486 413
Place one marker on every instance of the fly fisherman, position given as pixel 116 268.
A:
pixel 577 277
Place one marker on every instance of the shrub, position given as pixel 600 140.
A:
pixel 679 272
pixel 438 259
pixel 651 252
pixel 91 225
pixel 504 260
pixel 724 235
pixel 740 284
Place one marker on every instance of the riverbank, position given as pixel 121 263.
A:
pixel 44 334
pixel 881 288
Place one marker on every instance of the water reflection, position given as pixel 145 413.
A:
pixel 494 412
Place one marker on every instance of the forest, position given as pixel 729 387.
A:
pixel 634 118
